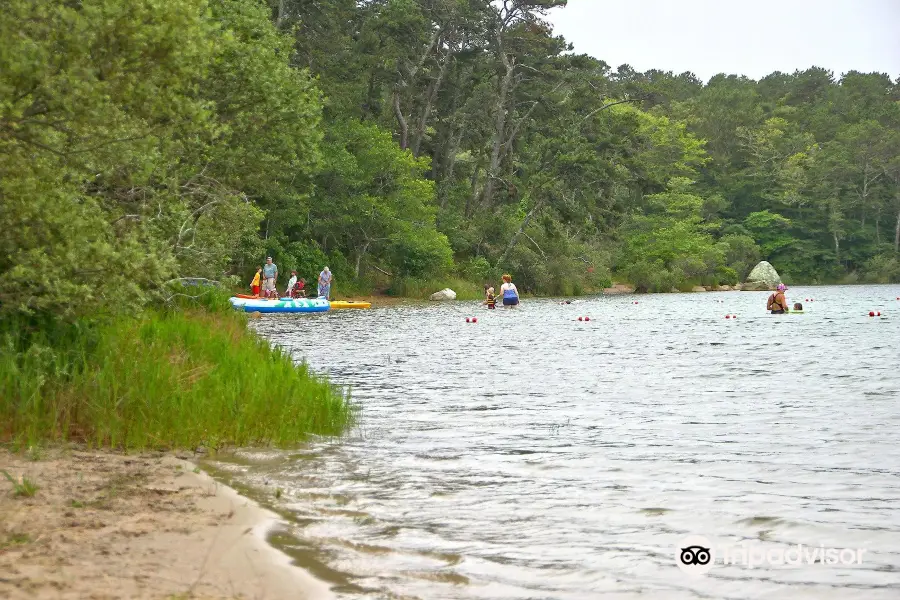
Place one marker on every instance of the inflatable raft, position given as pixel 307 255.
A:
pixel 300 305
pixel 336 304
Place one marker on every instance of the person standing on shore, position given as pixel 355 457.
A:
pixel 325 283
pixel 777 303
pixel 270 274
pixel 509 292
pixel 254 285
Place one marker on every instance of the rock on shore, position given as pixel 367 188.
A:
pixel 763 277
pixel 444 294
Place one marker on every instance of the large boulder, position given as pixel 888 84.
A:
pixel 444 294
pixel 762 277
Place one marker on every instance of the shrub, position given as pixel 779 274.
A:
pixel 161 380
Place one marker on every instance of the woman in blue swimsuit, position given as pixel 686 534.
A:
pixel 509 292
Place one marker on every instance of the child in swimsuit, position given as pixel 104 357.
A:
pixel 491 300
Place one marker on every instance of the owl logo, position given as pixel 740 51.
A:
pixel 695 555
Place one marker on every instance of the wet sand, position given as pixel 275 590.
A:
pixel 105 525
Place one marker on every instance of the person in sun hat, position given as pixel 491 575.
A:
pixel 777 303
pixel 325 278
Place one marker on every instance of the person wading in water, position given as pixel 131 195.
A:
pixel 509 292
pixel 777 302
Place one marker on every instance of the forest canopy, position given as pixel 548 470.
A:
pixel 143 142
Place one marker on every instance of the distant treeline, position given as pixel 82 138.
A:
pixel 403 142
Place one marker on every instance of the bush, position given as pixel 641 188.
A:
pixel 161 380
pixel 420 254
pixel 479 269
pixel 883 268
pixel 741 254
pixel 725 276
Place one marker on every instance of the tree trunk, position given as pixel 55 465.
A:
pixel 878 226
pixel 499 131
pixel 449 167
pixel 405 82
pixel 280 17
pixel 897 234
pixel 434 88
pixel 360 252
pixel 401 121
pixel 470 201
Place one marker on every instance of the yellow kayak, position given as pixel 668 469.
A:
pixel 336 304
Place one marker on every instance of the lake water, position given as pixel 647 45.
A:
pixel 533 456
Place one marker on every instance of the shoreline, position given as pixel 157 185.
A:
pixel 108 525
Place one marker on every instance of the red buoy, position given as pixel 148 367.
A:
pixel 878 314
pixel 474 319
pixel 581 318
pixel 734 316
pixel 807 300
pixel 871 313
pixel 727 316
pixel 468 320
pixel 587 318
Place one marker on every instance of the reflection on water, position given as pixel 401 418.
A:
pixel 534 456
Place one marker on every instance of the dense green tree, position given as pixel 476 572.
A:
pixel 145 142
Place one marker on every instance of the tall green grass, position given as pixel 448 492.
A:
pixel 165 379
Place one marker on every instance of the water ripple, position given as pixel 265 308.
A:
pixel 533 456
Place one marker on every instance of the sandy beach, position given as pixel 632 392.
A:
pixel 107 525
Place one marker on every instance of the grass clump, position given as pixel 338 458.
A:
pixel 164 379
pixel 23 488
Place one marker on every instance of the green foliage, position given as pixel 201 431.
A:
pixel 883 268
pixel 145 143
pixel 422 253
pixel 180 379
pixel 668 246
pixel 741 255
pixel 138 130
pixel 376 204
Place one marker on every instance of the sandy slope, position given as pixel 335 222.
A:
pixel 105 525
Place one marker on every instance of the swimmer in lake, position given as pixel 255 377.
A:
pixel 798 307
pixel 777 303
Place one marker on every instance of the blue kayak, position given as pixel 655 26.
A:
pixel 300 305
